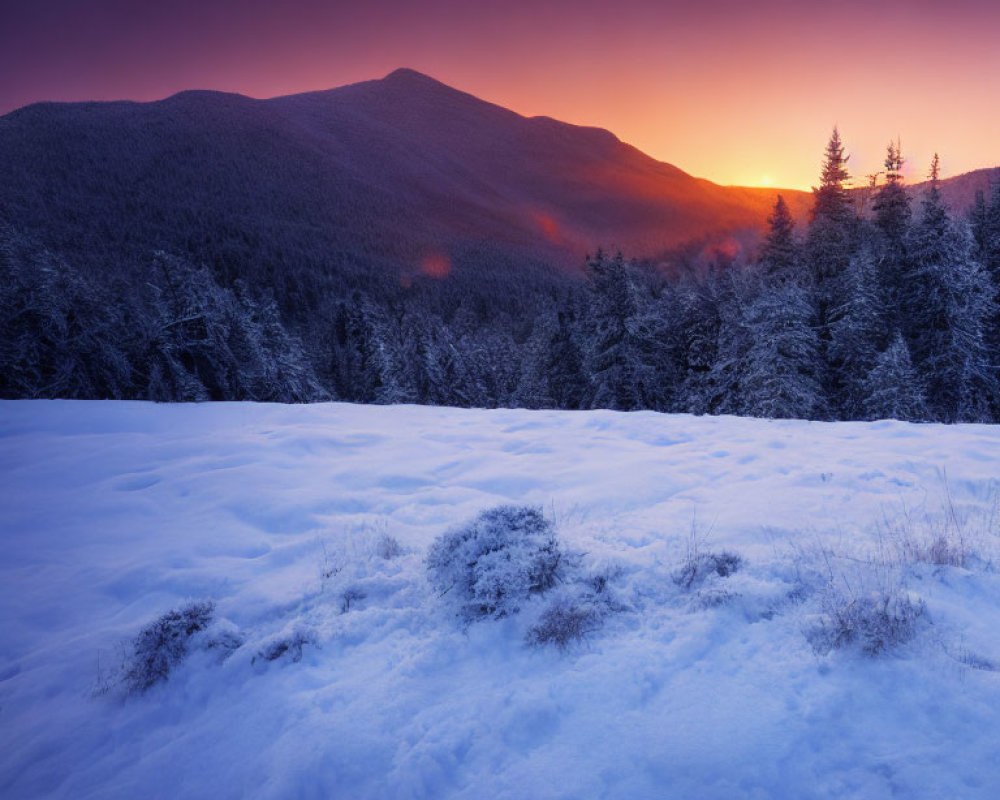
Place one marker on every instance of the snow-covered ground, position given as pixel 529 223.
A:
pixel 112 514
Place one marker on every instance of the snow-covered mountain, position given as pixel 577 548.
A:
pixel 764 609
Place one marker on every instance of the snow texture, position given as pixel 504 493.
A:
pixel 322 663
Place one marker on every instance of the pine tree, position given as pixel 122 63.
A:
pixel 829 242
pixel 726 383
pixel 949 303
pixel 979 223
pixel 618 372
pixel 892 205
pixel 779 258
pixel 568 385
pixel 985 222
pixel 533 380
pixel 60 336
pixel 780 373
pixel 443 367
pixel 857 332
pixel 892 388
pixel 697 322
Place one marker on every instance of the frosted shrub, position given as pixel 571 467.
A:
pixel 875 623
pixel 698 566
pixel 352 594
pixel 496 561
pixel 287 644
pixel 163 644
pixel 580 609
pixel 388 547
pixel 565 622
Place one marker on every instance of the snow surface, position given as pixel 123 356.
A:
pixel 114 513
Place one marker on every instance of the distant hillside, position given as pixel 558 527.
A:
pixel 395 176
pixel 959 193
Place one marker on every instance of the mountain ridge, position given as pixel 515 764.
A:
pixel 380 175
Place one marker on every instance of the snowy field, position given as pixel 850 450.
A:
pixel 332 668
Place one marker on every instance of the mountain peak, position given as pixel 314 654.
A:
pixel 405 75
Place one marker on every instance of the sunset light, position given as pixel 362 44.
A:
pixel 718 88
pixel 521 400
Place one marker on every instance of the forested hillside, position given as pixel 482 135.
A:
pixel 881 304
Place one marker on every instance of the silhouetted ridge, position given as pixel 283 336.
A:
pixel 375 176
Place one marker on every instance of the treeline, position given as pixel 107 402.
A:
pixel 894 314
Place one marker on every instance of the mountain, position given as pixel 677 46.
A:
pixel 394 176
pixel 959 192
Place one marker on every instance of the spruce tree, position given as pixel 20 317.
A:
pixel 698 321
pixel 830 235
pixel 949 302
pixel 735 339
pixel 857 332
pixel 779 256
pixel 892 206
pixel 892 388
pixel 780 368
pixel 616 367
pixel 533 379
pixel 567 378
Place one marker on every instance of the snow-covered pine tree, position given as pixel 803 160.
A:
pixel 857 332
pixel 726 381
pixel 949 301
pixel 892 221
pixel 566 370
pixel 780 369
pixel 985 221
pixel 616 366
pixel 780 259
pixel 533 378
pixel 830 236
pixel 892 388
pixel 60 336
pixel 697 322
pixel 892 204
pixel 443 366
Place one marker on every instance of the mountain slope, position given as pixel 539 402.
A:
pixel 402 173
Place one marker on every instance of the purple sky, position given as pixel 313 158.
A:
pixel 739 92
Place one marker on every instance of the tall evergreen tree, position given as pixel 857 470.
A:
pixel 726 384
pixel 567 378
pixel 892 388
pixel 829 242
pixel 892 204
pixel 698 321
pixel 780 370
pixel 949 303
pixel 779 257
pixel 858 331
pixel 619 375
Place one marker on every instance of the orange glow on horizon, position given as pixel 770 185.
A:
pixel 725 90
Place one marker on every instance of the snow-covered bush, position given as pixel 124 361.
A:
pixel 580 609
pixel 163 644
pixel 285 644
pixel 875 622
pixel 496 561
pixel 698 566
pixel 564 622
pixel 388 547
pixel 352 594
